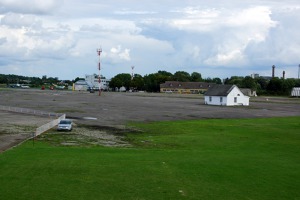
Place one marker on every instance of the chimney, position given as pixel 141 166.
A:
pixel 283 75
pixel 273 71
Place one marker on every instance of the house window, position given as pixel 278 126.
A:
pixel 210 99
pixel 235 99
pixel 221 99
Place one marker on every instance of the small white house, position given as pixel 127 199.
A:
pixel 225 95
pixel 81 85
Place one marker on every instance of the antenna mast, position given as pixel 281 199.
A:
pixel 132 68
pixel 99 51
pixel 298 71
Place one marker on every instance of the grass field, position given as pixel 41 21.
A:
pixel 200 159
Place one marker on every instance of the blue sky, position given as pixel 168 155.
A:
pixel 59 38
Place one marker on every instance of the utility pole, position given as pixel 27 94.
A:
pixel 298 71
pixel 132 74
pixel 99 51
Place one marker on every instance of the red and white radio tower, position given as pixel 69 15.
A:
pixel 99 51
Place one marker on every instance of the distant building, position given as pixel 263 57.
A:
pixel 225 95
pixel 248 92
pixel 184 87
pixel 81 85
pixel 254 75
pixel 93 82
pixel 295 92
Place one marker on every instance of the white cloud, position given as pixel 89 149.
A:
pixel 19 20
pixel 232 58
pixel 26 39
pixel 192 35
pixel 29 6
pixel 117 54
pixel 134 12
pixel 226 34
pixel 108 25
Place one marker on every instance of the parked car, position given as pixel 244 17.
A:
pixel 65 125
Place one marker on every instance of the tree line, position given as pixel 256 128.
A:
pixel 12 79
pixel 151 82
pixel 265 86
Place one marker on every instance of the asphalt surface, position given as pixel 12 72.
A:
pixel 117 109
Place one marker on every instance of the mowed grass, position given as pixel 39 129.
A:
pixel 199 159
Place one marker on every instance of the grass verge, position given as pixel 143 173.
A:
pixel 199 159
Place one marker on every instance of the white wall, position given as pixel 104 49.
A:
pixel 94 82
pixel 295 92
pixel 81 87
pixel 241 99
pixel 215 100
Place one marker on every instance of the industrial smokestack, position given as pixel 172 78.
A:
pixel 273 71
pixel 283 75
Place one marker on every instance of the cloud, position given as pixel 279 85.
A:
pixel 224 35
pixel 19 20
pixel 117 54
pixel 3 40
pixel 195 35
pixel 30 6
pixel 134 12
pixel 109 25
pixel 26 39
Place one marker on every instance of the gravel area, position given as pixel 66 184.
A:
pixel 117 109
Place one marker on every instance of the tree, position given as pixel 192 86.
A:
pixel 287 86
pixel 217 80
pixel 52 80
pixel 249 82
pixel 181 76
pixel 115 83
pixel 235 80
pixel 196 77
pixel 120 80
pixel 165 73
pixel 137 82
pixel 44 78
pixel 151 83
pixel 77 79
pixel 3 79
pixel 275 86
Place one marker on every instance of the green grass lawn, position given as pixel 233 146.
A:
pixel 199 159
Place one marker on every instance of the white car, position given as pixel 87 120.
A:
pixel 65 125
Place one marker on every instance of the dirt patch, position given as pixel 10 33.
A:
pixel 85 135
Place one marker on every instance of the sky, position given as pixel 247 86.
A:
pixel 60 38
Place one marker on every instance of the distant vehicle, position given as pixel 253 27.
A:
pixel 14 85
pixel 65 125
pixel 92 89
pixel 58 87
pixel 25 86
